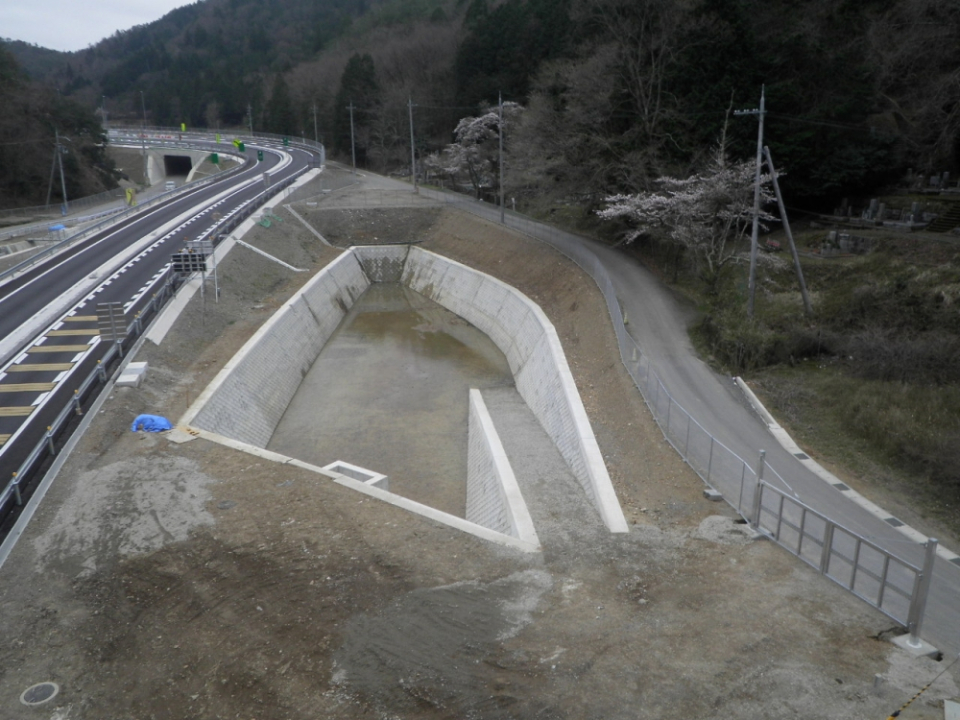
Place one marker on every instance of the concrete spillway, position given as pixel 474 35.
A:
pixel 248 398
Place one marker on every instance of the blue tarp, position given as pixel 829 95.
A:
pixel 151 423
pixel 53 228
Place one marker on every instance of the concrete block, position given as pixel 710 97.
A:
pixel 920 649
pixel 132 375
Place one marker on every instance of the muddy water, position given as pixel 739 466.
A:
pixel 389 392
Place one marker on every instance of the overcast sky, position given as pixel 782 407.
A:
pixel 75 24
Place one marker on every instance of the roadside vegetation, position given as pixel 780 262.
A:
pixel 871 381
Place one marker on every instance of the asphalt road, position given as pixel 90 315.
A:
pixel 49 340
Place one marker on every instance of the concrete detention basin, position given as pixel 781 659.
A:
pixel 389 392
pixel 248 399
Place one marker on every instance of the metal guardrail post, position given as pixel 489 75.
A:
pixel 710 460
pixel 76 402
pixel 827 549
pixel 755 521
pixel 918 604
pixel 53 449
pixel 16 490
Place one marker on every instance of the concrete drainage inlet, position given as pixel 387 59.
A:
pixel 39 694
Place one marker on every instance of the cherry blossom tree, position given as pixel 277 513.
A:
pixel 708 215
pixel 476 147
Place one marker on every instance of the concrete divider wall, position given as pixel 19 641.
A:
pixel 531 345
pixel 494 499
pixel 250 394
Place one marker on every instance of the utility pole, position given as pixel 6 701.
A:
pixel 353 147
pixel 53 167
pixel 786 227
pixel 500 133
pixel 143 141
pixel 752 284
pixel 413 157
pixel 316 137
pixel 63 182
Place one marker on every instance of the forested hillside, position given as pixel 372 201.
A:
pixel 616 92
pixel 33 114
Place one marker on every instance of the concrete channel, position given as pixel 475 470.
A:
pixel 305 390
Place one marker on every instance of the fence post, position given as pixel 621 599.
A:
pixel 710 460
pixel 827 548
pixel 755 520
pixel 918 604
pixel 743 477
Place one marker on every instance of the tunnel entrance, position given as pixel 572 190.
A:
pixel 177 165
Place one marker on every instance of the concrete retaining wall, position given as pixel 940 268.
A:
pixel 530 343
pixel 250 394
pixel 493 495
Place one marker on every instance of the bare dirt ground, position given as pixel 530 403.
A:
pixel 166 581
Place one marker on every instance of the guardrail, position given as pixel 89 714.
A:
pixel 114 217
pixel 161 290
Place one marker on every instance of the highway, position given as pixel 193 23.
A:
pixel 49 335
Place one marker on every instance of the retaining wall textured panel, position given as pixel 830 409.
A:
pixel 528 340
pixel 382 263
pixel 493 495
pixel 249 396
pixel 486 504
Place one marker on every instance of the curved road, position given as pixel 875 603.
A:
pixel 48 312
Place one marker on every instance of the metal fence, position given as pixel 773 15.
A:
pixel 883 580
pixel 758 493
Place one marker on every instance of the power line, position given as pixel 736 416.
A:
pixel 842 126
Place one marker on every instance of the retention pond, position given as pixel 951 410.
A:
pixel 389 392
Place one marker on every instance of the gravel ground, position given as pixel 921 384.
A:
pixel 175 580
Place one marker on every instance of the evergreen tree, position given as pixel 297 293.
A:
pixel 359 87
pixel 281 118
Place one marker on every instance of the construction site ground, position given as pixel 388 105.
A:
pixel 162 580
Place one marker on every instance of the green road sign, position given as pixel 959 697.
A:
pixel 241 147
pixel 215 159
pixel 286 142
pixel 259 155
